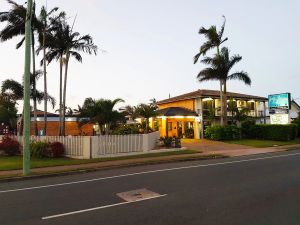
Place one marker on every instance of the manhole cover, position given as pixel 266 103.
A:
pixel 139 194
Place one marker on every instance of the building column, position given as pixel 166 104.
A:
pixel 164 126
pixel 201 118
pixel 197 130
pixel 265 113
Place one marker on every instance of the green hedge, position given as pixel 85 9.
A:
pixel 275 132
pixel 218 132
pixel 297 121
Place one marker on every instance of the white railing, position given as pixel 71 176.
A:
pixel 86 147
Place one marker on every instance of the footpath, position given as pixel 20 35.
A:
pixel 206 150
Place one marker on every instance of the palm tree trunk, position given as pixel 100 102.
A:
pixel 147 124
pixel 65 93
pixel 221 95
pixel 221 101
pixel 34 87
pixel 45 86
pixel 225 102
pixel 60 95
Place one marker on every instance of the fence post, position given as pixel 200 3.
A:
pixel 145 142
pixel 86 151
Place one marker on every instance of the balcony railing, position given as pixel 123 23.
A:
pixel 217 112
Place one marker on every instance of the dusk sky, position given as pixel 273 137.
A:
pixel 149 47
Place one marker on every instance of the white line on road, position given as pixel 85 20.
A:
pixel 147 172
pixel 100 207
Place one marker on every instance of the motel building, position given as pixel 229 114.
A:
pixel 189 114
pixel 72 126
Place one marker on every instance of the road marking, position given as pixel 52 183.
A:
pixel 100 207
pixel 147 172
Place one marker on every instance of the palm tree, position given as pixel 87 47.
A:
pixel 8 112
pixel 48 26
pixel 214 40
pixel 146 111
pixel 101 111
pixel 68 44
pixel 15 19
pixel 14 90
pixel 220 67
pixel 130 112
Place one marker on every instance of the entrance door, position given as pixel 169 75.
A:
pixel 179 129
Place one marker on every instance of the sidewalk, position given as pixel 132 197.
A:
pixel 231 150
pixel 207 149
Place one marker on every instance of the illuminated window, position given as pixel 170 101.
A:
pixel 169 126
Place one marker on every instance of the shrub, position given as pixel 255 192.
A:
pixel 56 149
pixel 297 121
pixel 167 141
pixel 276 132
pixel 127 129
pixel 248 129
pixel 218 132
pixel 39 149
pixel 10 146
pixel 189 133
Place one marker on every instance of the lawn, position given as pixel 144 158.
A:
pixel 15 162
pixel 263 143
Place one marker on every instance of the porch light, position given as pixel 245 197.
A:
pixel 207 99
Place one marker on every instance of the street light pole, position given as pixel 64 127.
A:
pixel 26 131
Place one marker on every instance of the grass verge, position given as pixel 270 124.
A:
pixel 263 143
pixel 16 162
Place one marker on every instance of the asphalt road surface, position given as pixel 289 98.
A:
pixel 254 190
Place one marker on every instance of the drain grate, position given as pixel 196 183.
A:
pixel 139 194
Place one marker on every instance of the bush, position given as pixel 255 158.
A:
pixel 297 121
pixel 276 132
pixel 56 149
pixel 10 146
pixel 127 129
pixel 248 128
pixel 218 132
pixel 167 141
pixel 189 133
pixel 39 149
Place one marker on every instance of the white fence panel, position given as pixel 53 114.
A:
pixel 112 145
pixel 86 147
pixel 74 145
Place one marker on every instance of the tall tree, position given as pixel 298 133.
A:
pixel 67 44
pixel 15 20
pixel 48 23
pixel 214 39
pixel 220 67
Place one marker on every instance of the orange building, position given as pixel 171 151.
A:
pixel 187 115
pixel 72 127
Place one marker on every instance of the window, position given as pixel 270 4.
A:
pixel 169 126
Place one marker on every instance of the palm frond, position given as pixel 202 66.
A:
pixel 242 76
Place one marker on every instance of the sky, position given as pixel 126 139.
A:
pixel 147 47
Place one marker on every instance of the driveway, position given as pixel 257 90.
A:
pixel 218 147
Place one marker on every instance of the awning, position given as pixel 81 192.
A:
pixel 176 111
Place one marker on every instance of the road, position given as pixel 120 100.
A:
pixel 260 190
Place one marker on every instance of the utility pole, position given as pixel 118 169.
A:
pixel 26 131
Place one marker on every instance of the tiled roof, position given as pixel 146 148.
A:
pixel 204 93
pixel 40 113
pixel 175 111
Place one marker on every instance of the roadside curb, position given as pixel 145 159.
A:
pixel 87 170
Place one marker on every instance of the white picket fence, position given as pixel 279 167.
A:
pixel 74 145
pixel 86 147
